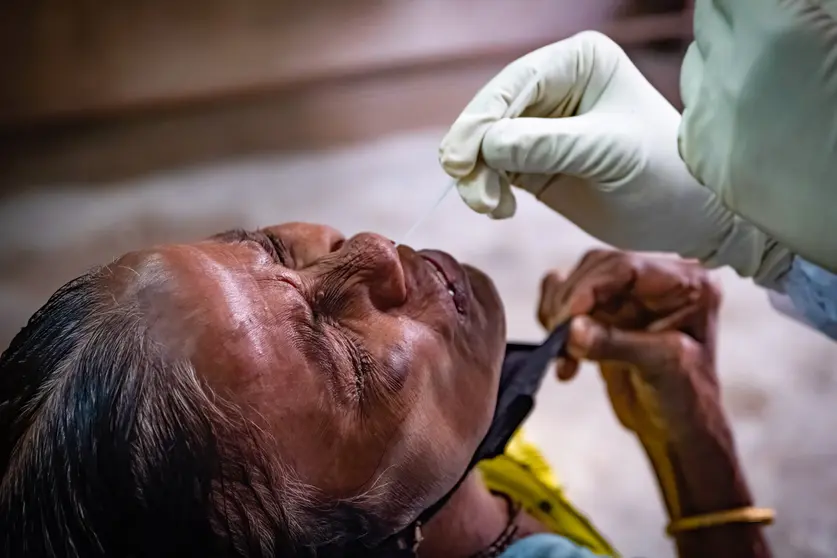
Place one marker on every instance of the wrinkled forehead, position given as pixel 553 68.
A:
pixel 201 306
pixel 177 281
pixel 203 303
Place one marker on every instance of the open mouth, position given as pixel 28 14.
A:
pixel 449 274
pixel 440 275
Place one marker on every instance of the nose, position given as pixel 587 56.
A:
pixel 378 268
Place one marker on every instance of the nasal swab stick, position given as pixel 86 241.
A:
pixel 423 217
pixel 514 110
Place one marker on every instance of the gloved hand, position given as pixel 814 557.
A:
pixel 759 85
pixel 577 125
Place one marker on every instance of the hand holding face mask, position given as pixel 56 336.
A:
pixel 650 325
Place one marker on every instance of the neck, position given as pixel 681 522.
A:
pixel 471 520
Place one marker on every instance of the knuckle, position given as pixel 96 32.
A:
pixel 599 254
pixel 688 353
pixel 602 252
pixel 636 260
pixel 552 278
pixel 708 286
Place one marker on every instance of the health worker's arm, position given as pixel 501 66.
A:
pixel 759 127
pixel 810 297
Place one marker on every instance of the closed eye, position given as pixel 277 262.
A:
pixel 362 362
pixel 268 241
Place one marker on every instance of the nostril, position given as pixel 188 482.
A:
pixel 380 267
pixel 337 245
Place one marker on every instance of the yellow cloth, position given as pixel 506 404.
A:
pixel 524 475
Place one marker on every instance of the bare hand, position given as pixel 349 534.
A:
pixel 650 324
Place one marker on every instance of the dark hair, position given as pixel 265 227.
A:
pixel 107 448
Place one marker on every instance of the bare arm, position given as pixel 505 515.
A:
pixel 650 323
pixel 709 478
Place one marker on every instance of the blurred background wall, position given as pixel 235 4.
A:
pixel 128 125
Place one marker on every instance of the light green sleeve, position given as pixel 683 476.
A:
pixel 759 85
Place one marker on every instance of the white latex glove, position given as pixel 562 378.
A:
pixel 578 126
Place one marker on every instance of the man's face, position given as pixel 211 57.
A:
pixel 371 367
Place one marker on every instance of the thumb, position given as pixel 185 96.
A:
pixel 651 353
pixel 592 146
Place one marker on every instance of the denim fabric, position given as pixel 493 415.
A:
pixel 546 546
pixel 813 293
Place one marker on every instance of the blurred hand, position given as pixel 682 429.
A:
pixel 650 323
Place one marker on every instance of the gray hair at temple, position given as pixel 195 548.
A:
pixel 107 448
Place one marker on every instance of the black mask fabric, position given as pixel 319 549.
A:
pixel 524 368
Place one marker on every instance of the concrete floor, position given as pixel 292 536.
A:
pixel 779 380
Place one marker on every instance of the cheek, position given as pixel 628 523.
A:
pixel 450 390
pixel 427 461
pixel 450 410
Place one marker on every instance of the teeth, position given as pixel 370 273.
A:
pixel 444 281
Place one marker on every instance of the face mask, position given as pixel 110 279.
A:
pixel 524 367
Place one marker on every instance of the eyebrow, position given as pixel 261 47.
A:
pixel 271 243
pixel 233 235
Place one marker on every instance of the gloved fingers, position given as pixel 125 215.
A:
pixel 589 146
pixel 482 190
pixel 551 81
pixel 508 93
pixel 488 191
pixel 507 205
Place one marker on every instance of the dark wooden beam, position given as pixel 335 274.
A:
pixel 61 64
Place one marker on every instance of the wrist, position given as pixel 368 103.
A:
pixel 710 479
pixel 699 474
pixel 751 253
pixel 706 470
pixel 697 469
